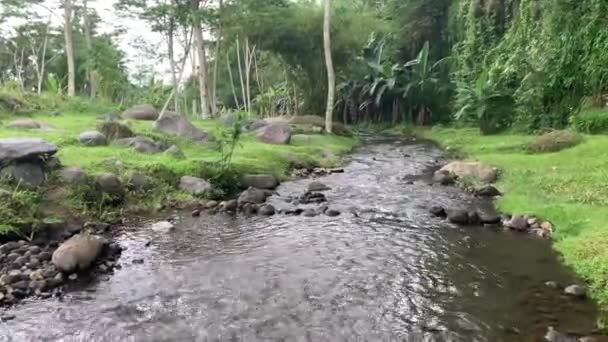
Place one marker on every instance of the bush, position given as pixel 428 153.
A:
pixel 591 121
pixel 555 141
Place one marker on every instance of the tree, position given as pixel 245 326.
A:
pixel 203 74
pixel 331 76
pixel 91 73
pixel 69 46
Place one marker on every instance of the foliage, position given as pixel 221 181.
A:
pixel 591 121
pixel 555 141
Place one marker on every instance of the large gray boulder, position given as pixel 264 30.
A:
pixel 253 196
pixel 109 183
pixel 260 181
pixel 141 112
pixel 275 133
pixel 26 174
pixel 139 182
pixel 176 124
pixel 33 149
pixel 142 144
pixel 477 170
pixel 73 176
pixel 195 186
pixel 78 253
pixel 92 138
pixel 115 130
pixel 24 124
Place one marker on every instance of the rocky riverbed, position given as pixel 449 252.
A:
pixel 348 255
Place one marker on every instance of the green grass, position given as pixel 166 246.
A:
pixel 569 188
pixel 202 160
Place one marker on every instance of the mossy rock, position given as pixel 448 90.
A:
pixel 115 130
pixel 555 141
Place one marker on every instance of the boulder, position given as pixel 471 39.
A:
pixel 195 186
pixel 267 210
pixel 78 253
pixel 488 216
pixel 13 149
pixel 142 144
pixel 317 186
pixel 139 182
pixel 252 195
pixel 92 138
pixel 24 124
pixel 576 291
pixel 110 184
pixel 261 181
pixel 458 216
pixel 175 152
pixel 256 125
pixel 275 133
pixel 444 178
pixel 518 223
pixel 488 191
pixel 332 212
pixel 176 124
pixel 473 170
pixel 230 206
pixel 27 174
pixel 115 130
pixel 73 176
pixel 141 112
pixel 438 211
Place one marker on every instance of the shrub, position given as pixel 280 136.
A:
pixel 591 121
pixel 555 141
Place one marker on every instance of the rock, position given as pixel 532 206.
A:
pixel 312 197
pixel 547 227
pixel 24 124
pixel 139 182
pixel 473 170
pixel 26 174
pixel 109 183
pixel 78 253
pixel 444 178
pixel 211 204
pixel 261 181
pixel 267 210
pixel 176 152
pixel 488 216
pixel 92 138
pixel 8 247
pixel 249 209
pixel 555 336
pixel 141 112
pixel 142 144
pixel 588 339
pixel 275 133
pixel 518 223
pixel 195 186
pixel 576 291
pixel 552 284
pixel 162 227
pixel 73 176
pixel 73 277
pixel 332 212
pixel 309 213
pixel 7 317
pixel 25 149
pixel 317 186
pixel 230 206
pixel 115 130
pixel 488 191
pixel 256 125
pixel 473 217
pixel 438 212
pixel 458 216
pixel 176 124
pixel 252 195
pixel 196 213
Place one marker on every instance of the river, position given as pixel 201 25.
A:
pixel 383 270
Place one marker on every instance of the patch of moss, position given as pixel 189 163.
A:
pixel 555 141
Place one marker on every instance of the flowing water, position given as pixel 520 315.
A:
pixel 383 270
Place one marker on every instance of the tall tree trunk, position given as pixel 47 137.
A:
pixel 172 64
pixel 91 74
pixel 236 98
pixel 202 69
pixel 218 44
pixel 69 47
pixel 331 76
pixel 238 60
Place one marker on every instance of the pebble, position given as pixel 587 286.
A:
pixel 73 276
pixel 196 213
pixel 138 261
pixel 332 213
pixel 575 291
pixel 552 284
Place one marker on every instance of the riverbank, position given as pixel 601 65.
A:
pixel 151 178
pixel 566 187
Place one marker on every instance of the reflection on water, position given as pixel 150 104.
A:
pixel 382 270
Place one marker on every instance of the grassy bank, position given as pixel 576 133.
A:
pixel 567 187
pixel 202 160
